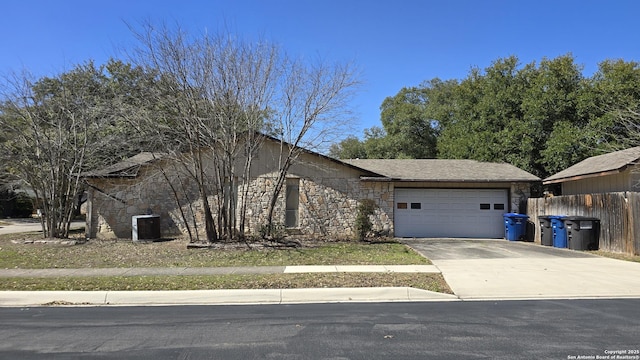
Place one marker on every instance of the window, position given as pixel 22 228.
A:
pixel 485 206
pixel 416 205
pixel 402 205
pixel 293 202
pixel 498 206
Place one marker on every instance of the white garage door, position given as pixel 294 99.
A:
pixel 450 212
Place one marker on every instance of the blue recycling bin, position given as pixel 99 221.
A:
pixel 559 231
pixel 515 226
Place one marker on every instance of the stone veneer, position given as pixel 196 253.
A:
pixel 519 194
pixel 327 206
pixel 113 201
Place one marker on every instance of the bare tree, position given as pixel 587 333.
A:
pixel 312 113
pixel 626 129
pixel 221 92
pixel 217 90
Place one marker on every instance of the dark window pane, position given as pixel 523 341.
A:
pixel 402 205
pixel 498 206
pixel 485 206
pixel 416 205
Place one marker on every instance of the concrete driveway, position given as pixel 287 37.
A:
pixel 12 226
pixel 501 269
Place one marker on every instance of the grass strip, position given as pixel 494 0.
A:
pixel 617 256
pixel 432 282
pixel 119 254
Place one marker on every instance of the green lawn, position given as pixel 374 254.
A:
pixel 20 251
pixel 102 254
pixel 432 282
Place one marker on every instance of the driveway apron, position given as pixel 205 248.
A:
pixel 501 269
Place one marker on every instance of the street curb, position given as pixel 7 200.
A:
pixel 218 297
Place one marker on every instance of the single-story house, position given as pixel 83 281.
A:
pixel 414 198
pixel 613 172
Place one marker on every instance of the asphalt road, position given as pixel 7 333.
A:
pixel 452 330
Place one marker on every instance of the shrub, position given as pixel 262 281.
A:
pixel 366 208
pixel 273 231
pixel 24 206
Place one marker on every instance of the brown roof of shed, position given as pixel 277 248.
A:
pixel 441 170
pixel 606 164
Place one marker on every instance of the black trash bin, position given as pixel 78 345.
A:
pixel 546 232
pixel 583 233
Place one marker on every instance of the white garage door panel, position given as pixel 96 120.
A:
pixel 450 213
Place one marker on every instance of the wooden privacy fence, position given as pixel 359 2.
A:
pixel 618 213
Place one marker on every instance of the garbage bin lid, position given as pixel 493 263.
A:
pixel 515 215
pixel 585 218
pixel 557 216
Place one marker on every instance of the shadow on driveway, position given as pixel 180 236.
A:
pixel 465 249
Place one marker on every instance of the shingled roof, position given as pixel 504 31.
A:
pixel 441 170
pixel 125 168
pixel 606 164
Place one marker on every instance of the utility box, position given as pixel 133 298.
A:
pixel 145 228
pixel 583 233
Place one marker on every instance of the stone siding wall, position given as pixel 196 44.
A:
pixel 519 193
pixel 114 201
pixel 383 195
pixel 327 206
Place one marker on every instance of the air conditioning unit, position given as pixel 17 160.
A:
pixel 145 228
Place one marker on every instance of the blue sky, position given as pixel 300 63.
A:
pixel 394 43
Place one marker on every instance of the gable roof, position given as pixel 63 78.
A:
pixel 600 165
pixel 442 170
pixel 127 167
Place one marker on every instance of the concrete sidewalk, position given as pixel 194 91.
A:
pixel 219 297
pixel 219 270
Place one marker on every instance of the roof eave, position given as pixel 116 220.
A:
pixel 448 180
pixel 111 176
pixel 583 176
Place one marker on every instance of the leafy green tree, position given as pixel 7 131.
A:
pixel 58 127
pixel 509 112
pixel 541 117
pixel 614 90
pixel 407 125
pixel 349 148
pixel 485 104
pixel 407 132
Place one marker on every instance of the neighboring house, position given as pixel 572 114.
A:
pixel 613 172
pixel 415 198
